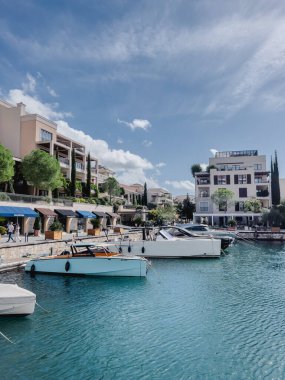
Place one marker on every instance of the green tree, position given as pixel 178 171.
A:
pixel 222 198
pixel 112 187
pixel 55 191
pixel 253 205
pixel 88 183
pixel 6 165
pixel 275 186
pixel 195 168
pixel 73 174
pixel 42 170
pixel 188 208
pixel 144 198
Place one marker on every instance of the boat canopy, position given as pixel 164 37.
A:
pixel 11 211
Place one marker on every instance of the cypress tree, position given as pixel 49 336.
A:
pixel 277 185
pixel 55 192
pixel 73 174
pixel 88 184
pixel 144 202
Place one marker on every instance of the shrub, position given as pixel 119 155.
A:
pixel 2 230
pixel 56 226
pixel 37 224
pixel 95 222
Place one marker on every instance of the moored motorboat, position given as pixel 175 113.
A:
pixel 89 260
pixel 162 244
pixel 16 301
pixel 226 240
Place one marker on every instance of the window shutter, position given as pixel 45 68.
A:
pixel 228 179
pixel 248 178
pixel 236 179
pixel 215 179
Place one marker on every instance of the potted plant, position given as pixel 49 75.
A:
pixel 232 224
pixel 55 231
pixel 96 230
pixel 37 226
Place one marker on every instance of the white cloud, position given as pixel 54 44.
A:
pixel 204 166
pixel 120 141
pixel 136 124
pixel 160 165
pixel 52 92
pixel 182 185
pixel 130 167
pixel 213 151
pixel 147 143
pixel 116 159
pixel 27 96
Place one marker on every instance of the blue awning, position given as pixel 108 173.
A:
pixel 10 211
pixel 85 214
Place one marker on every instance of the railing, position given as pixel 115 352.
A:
pixel 22 198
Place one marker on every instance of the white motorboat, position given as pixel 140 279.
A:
pixel 162 244
pixel 90 260
pixel 226 240
pixel 16 301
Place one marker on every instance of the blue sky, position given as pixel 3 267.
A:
pixel 151 86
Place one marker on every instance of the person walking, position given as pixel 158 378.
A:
pixel 10 230
pixel 17 232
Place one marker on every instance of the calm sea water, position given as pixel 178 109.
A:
pixel 189 319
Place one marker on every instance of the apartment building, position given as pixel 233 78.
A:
pixel 133 193
pixel 22 132
pixel 159 197
pixel 245 174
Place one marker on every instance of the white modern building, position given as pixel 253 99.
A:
pixel 242 172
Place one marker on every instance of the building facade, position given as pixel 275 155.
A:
pixel 22 132
pixel 159 197
pixel 242 172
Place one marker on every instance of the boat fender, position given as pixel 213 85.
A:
pixel 67 266
pixel 33 268
pixel 120 250
pixel 143 249
pixel 129 249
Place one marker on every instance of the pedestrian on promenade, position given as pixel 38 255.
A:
pixel 10 232
pixel 17 232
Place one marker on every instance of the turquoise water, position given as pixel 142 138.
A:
pixel 189 319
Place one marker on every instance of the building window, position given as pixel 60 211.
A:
pixel 222 180
pixel 257 166
pixel 45 135
pixel 243 192
pixel 204 206
pixel 239 206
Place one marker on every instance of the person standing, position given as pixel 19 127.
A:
pixel 10 232
pixel 17 232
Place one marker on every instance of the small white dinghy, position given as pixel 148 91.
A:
pixel 16 301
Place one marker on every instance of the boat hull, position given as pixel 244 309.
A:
pixel 179 248
pixel 90 266
pixel 15 301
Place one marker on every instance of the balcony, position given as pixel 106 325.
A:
pixel 262 193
